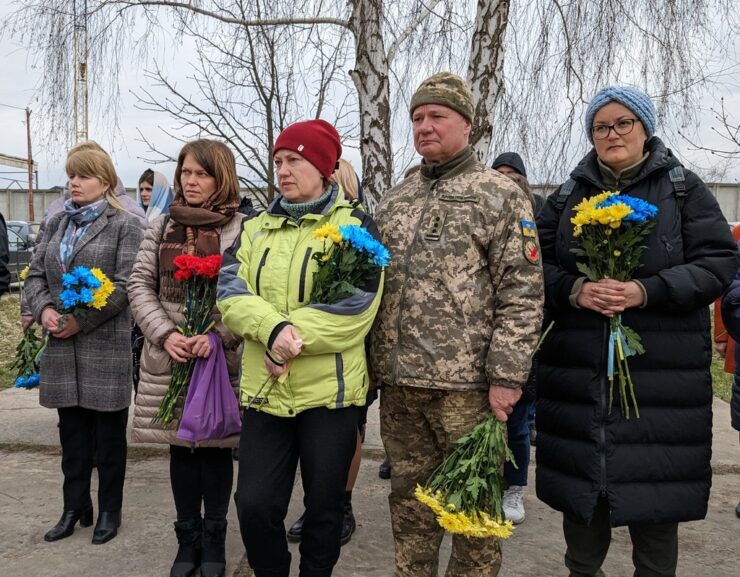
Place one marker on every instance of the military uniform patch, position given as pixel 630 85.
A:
pixel 531 251
pixel 528 229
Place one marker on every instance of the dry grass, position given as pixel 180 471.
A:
pixel 721 381
pixel 10 329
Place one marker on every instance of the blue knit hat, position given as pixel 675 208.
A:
pixel 634 99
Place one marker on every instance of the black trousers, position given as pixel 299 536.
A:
pixel 654 546
pixel 324 441
pixel 201 477
pixel 85 433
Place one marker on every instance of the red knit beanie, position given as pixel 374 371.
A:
pixel 316 140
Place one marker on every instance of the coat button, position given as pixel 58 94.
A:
pixel 290 411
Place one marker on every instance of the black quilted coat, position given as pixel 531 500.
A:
pixel 655 469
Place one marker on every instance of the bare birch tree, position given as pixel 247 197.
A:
pixel 531 65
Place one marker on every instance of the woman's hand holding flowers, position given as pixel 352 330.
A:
pixel 199 345
pixel 177 347
pixel 70 327
pixel 50 319
pixel 287 345
pixel 274 369
pixel 610 297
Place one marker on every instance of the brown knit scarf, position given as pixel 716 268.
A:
pixel 190 230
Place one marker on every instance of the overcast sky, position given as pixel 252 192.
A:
pixel 20 82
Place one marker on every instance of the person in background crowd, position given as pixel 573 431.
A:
pixel 4 258
pixel 246 207
pixel 203 221
pixel 518 424
pixel 456 230
pixel 596 467
pixel 311 415
pixel 346 177
pixel 154 194
pixel 86 367
pixel 727 336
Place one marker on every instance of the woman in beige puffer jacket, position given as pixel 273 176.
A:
pixel 203 221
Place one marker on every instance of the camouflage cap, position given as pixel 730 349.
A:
pixel 446 89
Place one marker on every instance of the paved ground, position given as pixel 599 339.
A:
pixel 30 503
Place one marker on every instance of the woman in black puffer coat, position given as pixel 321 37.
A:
pixel 598 468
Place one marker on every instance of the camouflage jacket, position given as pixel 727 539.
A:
pixel 462 306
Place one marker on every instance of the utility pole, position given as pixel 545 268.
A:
pixel 80 69
pixel 30 166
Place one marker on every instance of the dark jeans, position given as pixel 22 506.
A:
pixel 201 477
pixel 324 440
pixel 85 433
pixel 654 546
pixel 518 430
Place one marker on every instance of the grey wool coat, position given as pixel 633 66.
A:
pixel 157 318
pixel 91 369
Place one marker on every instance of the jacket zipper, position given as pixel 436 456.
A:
pixel 405 280
pixel 302 286
pixel 604 412
pixel 259 270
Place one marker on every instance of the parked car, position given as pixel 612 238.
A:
pixel 24 230
pixel 20 253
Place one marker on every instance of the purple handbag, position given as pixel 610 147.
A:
pixel 211 410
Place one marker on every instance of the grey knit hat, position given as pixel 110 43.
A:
pixel 446 89
pixel 633 98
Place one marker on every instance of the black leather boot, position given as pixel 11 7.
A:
pixel 107 527
pixel 348 523
pixel 213 559
pixel 189 535
pixel 294 533
pixel 384 471
pixel 66 525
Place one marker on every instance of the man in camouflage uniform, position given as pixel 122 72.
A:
pixel 459 319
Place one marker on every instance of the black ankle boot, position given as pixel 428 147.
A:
pixel 348 524
pixel 187 560
pixel 294 533
pixel 66 525
pixel 213 560
pixel 107 526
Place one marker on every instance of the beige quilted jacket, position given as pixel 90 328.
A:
pixel 157 319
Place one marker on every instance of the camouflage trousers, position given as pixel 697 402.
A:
pixel 418 427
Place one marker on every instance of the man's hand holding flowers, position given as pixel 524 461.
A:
pixel 502 401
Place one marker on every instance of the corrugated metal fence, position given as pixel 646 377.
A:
pixel 14 202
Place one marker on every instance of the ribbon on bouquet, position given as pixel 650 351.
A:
pixel 617 341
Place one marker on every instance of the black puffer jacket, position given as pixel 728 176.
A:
pixel 655 469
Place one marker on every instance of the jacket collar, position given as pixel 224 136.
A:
pixel 452 167
pixel 660 159
pixel 276 210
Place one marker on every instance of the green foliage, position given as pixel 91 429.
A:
pixel 10 328
pixel 342 269
pixel 472 476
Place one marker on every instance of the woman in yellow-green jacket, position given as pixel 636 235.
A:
pixel 316 350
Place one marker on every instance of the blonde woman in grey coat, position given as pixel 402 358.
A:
pixel 86 368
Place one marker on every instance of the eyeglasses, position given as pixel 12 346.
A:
pixel 622 126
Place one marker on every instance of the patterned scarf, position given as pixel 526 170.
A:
pixel 80 219
pixel 190 230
